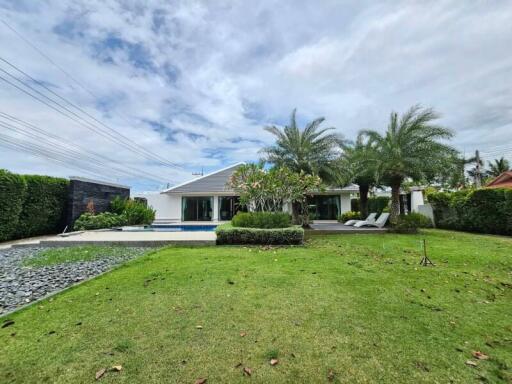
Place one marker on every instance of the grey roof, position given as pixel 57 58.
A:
pixel 213 182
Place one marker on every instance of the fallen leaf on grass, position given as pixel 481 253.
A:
pixel 247 371
pixel 117 368
pixel 243 334
pixel 7 323
pixel 199 326
pixel 274 362
pixel 200 381
pixel 471 363
pixel 479 355
pixel 100 373
pixel 238 365
pixel 330 375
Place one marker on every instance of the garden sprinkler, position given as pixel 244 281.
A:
pixel 425 261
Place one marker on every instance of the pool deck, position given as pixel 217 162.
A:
pixel 339 228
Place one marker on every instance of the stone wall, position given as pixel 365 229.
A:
pixel 83 191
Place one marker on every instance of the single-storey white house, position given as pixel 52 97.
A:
pixel 209 199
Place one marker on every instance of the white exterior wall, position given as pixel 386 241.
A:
pixel 168 207
pixel 345 202
pixel 416 200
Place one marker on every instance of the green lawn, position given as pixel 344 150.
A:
pixel 345 308
pixel 73 254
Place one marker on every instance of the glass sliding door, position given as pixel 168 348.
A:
pixel 196 208
pixel 324 207
pixel 228 207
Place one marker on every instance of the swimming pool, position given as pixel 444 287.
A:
pixel 170 228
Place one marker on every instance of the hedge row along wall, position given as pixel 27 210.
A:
pixel 31 205
pixel 482 210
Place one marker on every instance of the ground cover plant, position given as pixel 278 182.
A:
pixel 343 308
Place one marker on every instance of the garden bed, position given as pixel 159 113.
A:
pixel 228 234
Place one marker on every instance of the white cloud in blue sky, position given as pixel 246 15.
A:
pixel 196 81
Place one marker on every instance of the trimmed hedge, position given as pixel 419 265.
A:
pixel 88 221
pixel 350 215
pixel 12 194
pixel 375 204
pixel 261 220
pixel 31 205
pixel 410 223
pixel 44 207
pixel 228 234
pixel 482 210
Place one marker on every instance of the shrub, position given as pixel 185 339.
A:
pixel 12 194
pixel 350 215
pixel 44 206
pixel 228 234
pixel 261 220
pixel 482 210
pixel 411 222
pixel 88 221
pixel 118 205
pixel 136 211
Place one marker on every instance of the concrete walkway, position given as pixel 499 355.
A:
pixel 134 239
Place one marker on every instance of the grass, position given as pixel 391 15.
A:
pixel 344 309
pixel 74 254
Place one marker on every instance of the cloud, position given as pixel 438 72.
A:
pixel 195 81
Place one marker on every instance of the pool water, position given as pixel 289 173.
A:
pixel 171 228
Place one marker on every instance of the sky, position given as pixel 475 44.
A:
pixel 193 83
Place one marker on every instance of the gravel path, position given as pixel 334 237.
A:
pixel 20 285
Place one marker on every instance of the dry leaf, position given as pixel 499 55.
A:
pixel 7 323
pixel 330 375
pixel 238 365
pixel 479 355
pixel 100 373
pixel 199 326
pixel 243 334
pixel 117 368
pixel 200 381
pixel 471 363
pixel 247 371
pixel 274 362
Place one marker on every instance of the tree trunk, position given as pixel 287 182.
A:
pixel 395 199
pixel 296 213
pixel 363 200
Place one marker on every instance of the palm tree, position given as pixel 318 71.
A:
pixel 410 148
pixel 311 150
pixel 497 167
pixel 357 165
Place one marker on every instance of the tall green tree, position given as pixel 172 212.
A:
pixel 312 150
pixel 411 148
pixel 358 165
pixel 497 167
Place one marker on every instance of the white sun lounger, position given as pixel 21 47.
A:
pixel 379 223
pixel 370 219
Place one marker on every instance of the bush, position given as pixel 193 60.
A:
pixel 411 222
pixel 88 221
pixel 375 204
pixel 136 212
pixel 228 234
pixel 482 210
pixel 12 194
pixel 44 206
pixel 350 215
pixel 261 220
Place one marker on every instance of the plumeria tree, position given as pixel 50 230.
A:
pixel 269 190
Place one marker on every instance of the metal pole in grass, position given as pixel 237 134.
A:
pixel 425 261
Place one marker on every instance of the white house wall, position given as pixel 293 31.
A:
pixel 168 207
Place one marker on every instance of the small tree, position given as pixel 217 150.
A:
pixel 269 190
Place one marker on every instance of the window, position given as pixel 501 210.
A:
pixel 324 207
pixel 229 206
pixel 196 208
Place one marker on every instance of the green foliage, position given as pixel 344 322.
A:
pixel 88 221
pixel 12 194
pixel 497 167
pixel 482 210
pixel 118 205
pixel 31 205
pixel 227 234
pixel 136 212
pixel 311 150
pixel 410 223
pixel 350 215
pixel 44 207
pixel 375 204
pixel 261 220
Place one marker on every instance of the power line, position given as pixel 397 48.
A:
pixel 106 131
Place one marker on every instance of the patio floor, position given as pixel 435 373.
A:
pixel 334 227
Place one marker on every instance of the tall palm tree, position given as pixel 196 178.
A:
pixel 357 165
pixel 312 150
pixel 497 167
pixel 410 148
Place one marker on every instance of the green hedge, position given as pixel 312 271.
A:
pixel 12 194
pixel 261 220
pixel 482 210
pixel 375 204
pixel 88 221
pixel 228 234
pixel 31 205
pixel 350 215
pixel 410 223
pixel 44 207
